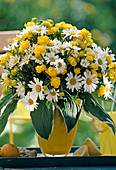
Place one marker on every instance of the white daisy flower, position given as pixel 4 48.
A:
pixel 35 29
pixel 29 50
pixel 73 82
pixel 60 65
pixel 5 74
pixel 105 79
pixel 100 60
pixel 75 51
pixel 30 102
pixel 25 60
pixel 89 82
pixel 71 33
pixel 108 87
pixel 107 91
pixel 52 95
pixel 85 63
pixel 66 45
pixel 37 88
pixel 56 46
pixel 20 89
pixel 51 58
pixel 13 61
pixel 38 59
pixel 107 51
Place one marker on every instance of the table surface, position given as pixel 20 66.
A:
pixel 59 163
pixel 65 168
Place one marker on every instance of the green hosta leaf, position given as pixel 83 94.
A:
pixel 69 110
pixel 94 110
pixel 42 118
pixel 6 99
pixel 4 117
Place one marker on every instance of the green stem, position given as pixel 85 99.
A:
pixel 68 93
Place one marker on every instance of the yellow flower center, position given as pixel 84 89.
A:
pixel 107 89
pixel 89 81
pixel 52 59
pixel 59 65
pixel 39 57
pixel 53 93
pixel 26 60
pixel 16 61
pixel 100 61
pixel 30 101
pixel 73 81
pixel 38 88
pixel 72 33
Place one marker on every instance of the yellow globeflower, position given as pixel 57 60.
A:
pixel 48 23
pixel 101 91
pixel 7 81
pixel 55 82
pixel 39 50
pixel 29 24
pixel 81 53
pixel 25 44
pixel 74 43
pixel 94 66
pixel 51 71
pixel 72 61
pixel 89 58
pixel 88 53
pixel 93 71
pixel 43 40
pixel 83 45
pixel 40 68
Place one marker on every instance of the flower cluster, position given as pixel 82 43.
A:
pixel 46 61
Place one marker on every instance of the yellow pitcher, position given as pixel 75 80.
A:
pixel 108 139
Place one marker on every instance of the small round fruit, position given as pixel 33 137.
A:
pixel 97 125
pixel 9 150
pixel 82 151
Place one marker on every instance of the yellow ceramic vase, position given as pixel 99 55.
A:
pixel 108 139
pixel 59 142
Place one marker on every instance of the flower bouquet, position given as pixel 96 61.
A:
pixel 51 66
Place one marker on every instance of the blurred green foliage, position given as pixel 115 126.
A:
pixel 96 16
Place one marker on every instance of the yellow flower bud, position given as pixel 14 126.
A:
pixel 14 83
pixel 77 71
pixel 83 46
pixel 72 61
pixel 109 59
pixel 45 88
pixel 78 101
pixel 13 72
pixel 81 53
pixel 61 94
pixel 4 90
